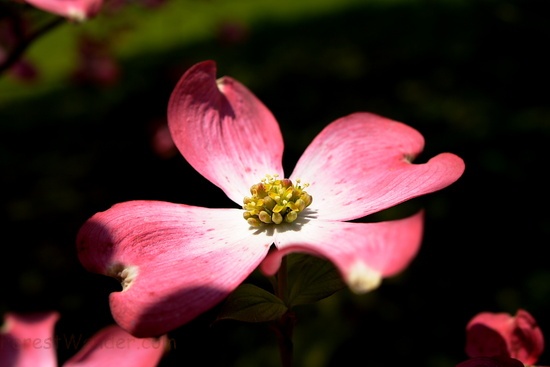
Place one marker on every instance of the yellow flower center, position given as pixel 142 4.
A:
pixel 275 201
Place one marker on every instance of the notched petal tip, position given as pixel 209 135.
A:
pixel 77 15
pixel 124 274
pixel 362 279
pixel 409 158
pixel 220 82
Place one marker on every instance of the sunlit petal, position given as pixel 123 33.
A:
pixel 224 131
pixel 361 164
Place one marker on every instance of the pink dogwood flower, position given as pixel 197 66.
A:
pixel 76 10
pixel 28 340
pixel 501 334
pixel 176 261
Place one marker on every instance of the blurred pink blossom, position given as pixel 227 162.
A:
pixel 28 340
pixel 95 65
pixel 503 335
pixel 161 140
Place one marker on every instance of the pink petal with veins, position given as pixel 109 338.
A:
pixel 361 164
pixel 27 340
pixel 224 131
pixel 174 261
pixel 113 346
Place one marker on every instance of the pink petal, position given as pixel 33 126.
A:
pixel 483 340
pixel 491 362
pixel 224 131
pixel 27 340
pixel 78 10
pixel 492 334
pixel 112 346
pixel 174 261
pixel 363 252
pixel 360 164
pixel 527 342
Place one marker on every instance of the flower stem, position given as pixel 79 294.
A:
pixel 285 325
pixel 282 280
pixel 284 329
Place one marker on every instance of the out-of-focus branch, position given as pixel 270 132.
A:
pixel 19 49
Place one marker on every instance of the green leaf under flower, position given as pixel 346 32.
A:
pixel 250 303
pixel 311 279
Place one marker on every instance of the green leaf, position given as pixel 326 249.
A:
pixel 311 279
pixel 250 303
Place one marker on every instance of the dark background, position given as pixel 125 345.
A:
pixel 471 76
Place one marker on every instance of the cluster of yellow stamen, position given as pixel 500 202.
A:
pixel 275 201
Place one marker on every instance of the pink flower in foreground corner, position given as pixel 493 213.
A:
pixel 28 340
pixel 501 334
pixel 491 362
pixel 77 10
pixel 176 261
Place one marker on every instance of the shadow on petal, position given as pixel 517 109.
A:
pixel 9 350
pixel 153 317
pixel 483 341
